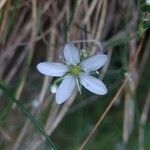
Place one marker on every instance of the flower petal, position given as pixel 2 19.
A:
pixel 94 63
pixel 93 84
pixel 65 89
pixel 71 54
pixel 52 69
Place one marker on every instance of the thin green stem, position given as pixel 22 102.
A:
pixel 11 20
pixel 23 109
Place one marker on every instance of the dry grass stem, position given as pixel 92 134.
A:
pixel 103 115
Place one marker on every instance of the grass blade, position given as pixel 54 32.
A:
pixel 23 109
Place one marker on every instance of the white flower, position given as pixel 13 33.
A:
pixel 75 72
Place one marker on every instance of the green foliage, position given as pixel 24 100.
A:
pixel 144 22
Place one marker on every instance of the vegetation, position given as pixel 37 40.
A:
pixel 33 31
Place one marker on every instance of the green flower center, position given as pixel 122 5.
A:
pixel 75 70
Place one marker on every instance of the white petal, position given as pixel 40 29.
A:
pixel 93 84
pixel 71 54
pixel 94 63
pixel 65 89
pixel 52 69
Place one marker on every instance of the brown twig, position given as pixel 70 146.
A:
pixel 85 142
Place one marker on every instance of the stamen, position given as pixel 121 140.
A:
pixel 75 70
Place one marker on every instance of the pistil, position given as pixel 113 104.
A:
pixel 75 70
